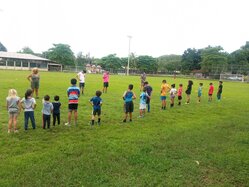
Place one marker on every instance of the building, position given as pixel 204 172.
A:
pixel 20 61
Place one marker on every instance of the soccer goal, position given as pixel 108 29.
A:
pixel 232 77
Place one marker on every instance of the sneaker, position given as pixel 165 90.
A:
pixel 67 124
pixel 124 120
pixel 130 120
pixel 9 131
pixel 16 131
pixel 98 123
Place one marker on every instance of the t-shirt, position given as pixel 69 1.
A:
pixel 56 106
pixel 173 92
pixel 148 89
pixel 128 96
pixel 35 78
pixel 97 101
pixel 47 107
pixel 12 103
pixel 106 77
pixel 73 93
pixel 81 77
pixel 211 89
pixel 28 104
pixel 189 89
pixel 200 90
pixel 164 89
pixel 220 89
pixel 179 92
pixel 143 97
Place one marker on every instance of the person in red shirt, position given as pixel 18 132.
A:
pixel 210 92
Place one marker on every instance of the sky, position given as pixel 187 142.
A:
pixel 102 27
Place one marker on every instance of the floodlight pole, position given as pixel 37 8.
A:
pixel 128 65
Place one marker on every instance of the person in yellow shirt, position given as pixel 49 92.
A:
pixel 164 90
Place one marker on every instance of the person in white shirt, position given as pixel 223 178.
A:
pixel 173 93
pixel 81 78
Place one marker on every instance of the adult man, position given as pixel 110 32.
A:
pixel 81 78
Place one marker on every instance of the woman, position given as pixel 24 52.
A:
pixel 34 79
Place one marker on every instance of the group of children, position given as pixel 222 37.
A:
pixel 165 88
pixel 28 103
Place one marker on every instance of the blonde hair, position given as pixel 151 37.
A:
pixel 35 70
pixel 12 93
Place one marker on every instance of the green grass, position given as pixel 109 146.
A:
pixel 161 149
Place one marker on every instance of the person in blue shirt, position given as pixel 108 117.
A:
pixel 128 96
pixel 143 97
pixel 56 112
pixel 149 91
pixel 46 112
pixel 73 93
pixel 96 103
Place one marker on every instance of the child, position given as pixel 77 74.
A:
pixel 143 97
pixel 29 104
pixel 56 112
pixel 128 96
pixel 210 92
pixel 46 112
pixel 13 107
pixel 219 90
pixel 164 89
pixel 173 93
pixel 149 92
pixel 105 81
pixel 73 93
pixel 96 102
pixel 200 92
pixel 188 91
pixel 179 94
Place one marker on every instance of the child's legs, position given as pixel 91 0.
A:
pixel 32 118
pixel 15 121
pixel 43 121
pixel 26 119
pixel 69 116
pixel 48 120
pixel 58 118
pixel 141 112
pixel 130 113
pixel 75 115
pixel 54 119
pixel 11 119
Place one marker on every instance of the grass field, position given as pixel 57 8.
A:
pixel 162 149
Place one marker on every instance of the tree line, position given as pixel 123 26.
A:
pixel 212 59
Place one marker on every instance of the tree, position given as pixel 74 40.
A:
pixel 147 64
pixel 191 59
pixel 169 63
pixel 27 50
pixel 61 53
pixel 81 60
pixel 213 59
pixel 2 47
pixel 111 62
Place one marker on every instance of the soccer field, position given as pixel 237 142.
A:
pixel 200 144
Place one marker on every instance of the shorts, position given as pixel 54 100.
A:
pixel 96 111
pixel 106 84
pixel 35 85
pixel 210 94
pixel 72 107
pixel 179 97
pixel 172 96
pixel 82 85
pixel 129 107
pixel 13 114
pixel 163 98
pixel 142 106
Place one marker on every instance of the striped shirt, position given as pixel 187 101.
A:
pixel 73 93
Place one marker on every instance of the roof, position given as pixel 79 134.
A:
pixel 21 56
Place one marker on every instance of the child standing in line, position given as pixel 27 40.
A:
pixel 210 92
pixel 13 107
pixel 29 104
pixel 188 91
pixel 96 103
pixel 219 90
pixel 143 97
pixel 128 96
pixel 164 90
pixel 46 112
pixel 179 94
pixel 149 91
pixel 56 112
pixel 73 93
pixel 173 93
pixel 200 92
